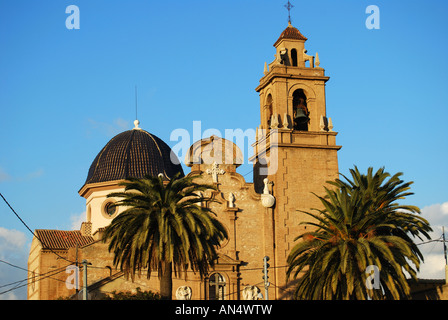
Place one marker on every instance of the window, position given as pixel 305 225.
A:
pixel 269 110
pixel 300 110
pixel 89 213
pixel 108 209
pixel 294 57
pixel 216 287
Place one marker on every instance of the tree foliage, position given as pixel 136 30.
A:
pixel 164 226
pixel 362 223
pixel 128 295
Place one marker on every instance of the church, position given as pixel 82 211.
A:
pixel 295 153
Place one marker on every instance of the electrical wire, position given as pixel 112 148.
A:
pixel 72 262
pixel 42 276
pixel 23 222
pixel 429 241
pixel 248 172
pixel 12 265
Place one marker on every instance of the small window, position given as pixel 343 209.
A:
pixel 109 210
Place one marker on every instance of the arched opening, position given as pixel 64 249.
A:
pixel 269 111
pixel 300 110
pixel 216 287
pixel 294 57
pixel 89 214
pixel 260 172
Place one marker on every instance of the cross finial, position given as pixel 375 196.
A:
pixel 288 6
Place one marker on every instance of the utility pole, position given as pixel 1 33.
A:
pixel 444 252
pixel 265 277
pixel 77 272
pixel 444 245
pixel 84 290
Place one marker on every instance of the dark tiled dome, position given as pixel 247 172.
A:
pixel 133 153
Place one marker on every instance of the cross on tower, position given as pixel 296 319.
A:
pixel 288 6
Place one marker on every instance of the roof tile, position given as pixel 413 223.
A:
pixel 290 33
pixel 60 239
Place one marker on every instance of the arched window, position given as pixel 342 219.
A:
pixel 216 287
pixel 300 110
pixel 294 57
pixel 259 174
pixel 89 213
pixel 33 280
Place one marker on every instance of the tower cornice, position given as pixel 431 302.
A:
pixel 292 73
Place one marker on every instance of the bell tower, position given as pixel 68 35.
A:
pixel 292 91
pixel 295 147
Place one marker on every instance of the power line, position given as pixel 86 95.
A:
pixel 23 222
pixel 16 287
pixel 41 276
pixel 27 270
pixel 71 262
pixel 51 273
pixel 12 265
pixel 429 241
pixel 12 209
pixel 10 284
pixel 248 172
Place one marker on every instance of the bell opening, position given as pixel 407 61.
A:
pixel 301 114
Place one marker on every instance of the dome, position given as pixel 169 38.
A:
pixel 133 154
pixel 290 33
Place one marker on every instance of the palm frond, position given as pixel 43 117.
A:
pixel 361 223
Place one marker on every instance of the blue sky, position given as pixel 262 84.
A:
pixel 65 93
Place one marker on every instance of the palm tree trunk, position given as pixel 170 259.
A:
pixel 166 281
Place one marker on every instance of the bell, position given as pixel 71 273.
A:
pixel 301 116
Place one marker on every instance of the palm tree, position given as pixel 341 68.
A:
pixel 164 228
pixel 361 224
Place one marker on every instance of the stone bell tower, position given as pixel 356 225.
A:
pixel 296 145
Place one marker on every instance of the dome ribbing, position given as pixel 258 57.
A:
pixel 133 153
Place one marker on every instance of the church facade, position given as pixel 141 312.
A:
pixel 295 153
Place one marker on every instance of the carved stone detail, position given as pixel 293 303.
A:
pixel 251 293
pixel 231 200
pixel 215 171
pixel 183 293
pixel 267 200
